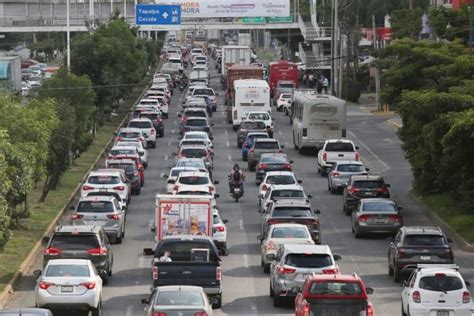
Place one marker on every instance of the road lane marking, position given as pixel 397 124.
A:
pixel 230 158
pixel 166 157
pixel 246 261
pixel 227 144
pixel 129 311
pixel 279 133
pixel 175 121
pixel 173 131
pixel 370 151
pixel 226 132
pixel 169 143
pixel 241 224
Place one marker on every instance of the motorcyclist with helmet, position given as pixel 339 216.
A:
pixel 236 176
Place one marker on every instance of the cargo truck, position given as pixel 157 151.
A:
pixel 232 55
pixel 10 74
pixel 282 70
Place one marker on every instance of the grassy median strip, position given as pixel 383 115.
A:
pixel 445 206
pixel 42 214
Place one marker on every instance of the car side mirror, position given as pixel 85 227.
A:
pixel 212 147
pixel 45 241
pixel 260 196
pixel 165 176
pixel 367 169
pixel 357 147
pixel 141 169
pixel 144 301
pixel 449 240
pixel 468 284
pixel 369 290
pixel 318 211
pixel 217 94
pixel 310 196
pixel 400 208
pixel 282 147
pixel 72 207
pixel 291 161
pixel 114 133
pixel 259 237
pixel 153 229
pixel 174 154
pixel 216 181
pixel 147 251
pixel 212 124
pixel 179 115
pixel 337 257
pixel 299 181
pixel 225 221
pixel 37 273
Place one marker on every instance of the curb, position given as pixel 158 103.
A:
pixel 28 262
pixel 448 230
pixel 395 124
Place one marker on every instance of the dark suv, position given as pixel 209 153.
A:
pixel 246 126
pixel 417 245
pixel 80 242
pixel 363 187
pixel 131 172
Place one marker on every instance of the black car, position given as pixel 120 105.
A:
pixel 417 245
pixel 363 187
pixel 131 172
pixel 271 162
pixel 80 242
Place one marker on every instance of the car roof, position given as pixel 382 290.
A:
pixel 193 109
pixel 339 141
pixel 307 249
pixel 292 202
pixel 346 162
pixel 196 133
pixel 130 129
pixel 257 133
pixel 68 261
pixel 184 168
pixel 120 161
pixel 280 173
pixel 173 288
pixel 286 187
pixel 194 146
pixel 194 174
pixel 366 177
pixel 418 230
pixel 105 172
pixel 267 140
pixel 149 100
pixel 286 225
pixel 431 270
pixel 370 200
pixel 140 119
pixel 123 147
pixel 350 278
pixel 99 198
pixel 78 228
pixel 197 118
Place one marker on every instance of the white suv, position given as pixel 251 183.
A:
pixel 195 179
pixel 109 180
pixel 436 289
pixel 146 126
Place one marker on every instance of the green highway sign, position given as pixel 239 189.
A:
pixel 256 20
pixel 280 19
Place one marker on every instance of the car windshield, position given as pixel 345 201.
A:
pixel 350 168
pixel 196 122
pixel 208 92
pixel 103 180
pixel 280 180
pixel 67 270
pixel 274 159
pixel 287 194
pixel 140 124
pixel 424 240
pixel 292 212
pixel 194 152
pixel 367 184
pixel 441 283
pixel 187 163
pixel 115 152
pixel 95 207
pixel 266 145
pixel 335 288
pixel 195 136
pixel 180 298
pixel 339 147
pixel 252 125
pixel 193 180
pixel 130 134
pixel 308 260
pixel 379 207
pixel 150 116
pixel 259 116
pixel 289 232
pixel 76 242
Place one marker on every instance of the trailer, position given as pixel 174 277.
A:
pixel 10 74
pixel 232 55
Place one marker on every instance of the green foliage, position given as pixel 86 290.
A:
pixel 407 23
pixel 449 23
pixel 5 185
pixel 351 89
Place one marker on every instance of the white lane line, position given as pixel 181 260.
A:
pixel 226 132
pixel 141 261
pixel 227 144
pixel 241 224
pixel 230 158
pixel 173 131
pixel 129 311
pixel 246 261
pixel 169 143
pixel 162 175
pixel 166 157
pixel 279 133
pixel 370 151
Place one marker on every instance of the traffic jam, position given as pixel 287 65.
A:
pixel 188 240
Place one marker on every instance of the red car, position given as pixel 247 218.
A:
pixel 333 295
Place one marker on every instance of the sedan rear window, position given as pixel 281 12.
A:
pixel 193 153
pixel 350 168
pixel 289 232
pixel 193 180
pixel 340 147
pixel 140 124
pixel 287 194
pixel 441 283
pixel 368 184
pixel 379 207
pixel 103 180
pixel 196 123
pixel 335 288
pixel 280 180
pixel 127 167
pixel 179 298
pixel 267 145
pixel 311 260
pixel 115 152
pixel 130 134
pixel 209 92
pixel 195 114
pixel 274 159
pixel 424 240
pixel 75 242
pixel 95 207
pixel 292 212
pixel 252 125
pixel 67 270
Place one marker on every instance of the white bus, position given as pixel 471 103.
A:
pixel 249 95
pixel 317 118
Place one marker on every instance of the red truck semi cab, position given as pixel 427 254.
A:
pixel 282 70
pixel 335 295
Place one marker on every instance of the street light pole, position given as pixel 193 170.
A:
pixel 68 37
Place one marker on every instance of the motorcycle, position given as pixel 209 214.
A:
pixel 236 191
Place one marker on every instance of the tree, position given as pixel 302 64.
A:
pixel 4 187
pixel 449 23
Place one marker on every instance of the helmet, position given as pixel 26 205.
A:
pixel 236 167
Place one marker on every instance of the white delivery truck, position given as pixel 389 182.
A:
pixel 249 95
pixel 232 55
pixel 183 215
pixel 245 39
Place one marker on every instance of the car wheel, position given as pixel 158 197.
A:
pixel 357 234
pixel 218 304
pixel 239 145
pixel 97 311
pixel 272 293
pixel 118 239
pixel 162 134
pixel 154 144
pixel 105 280
pixel 396 274
pixel 347 211
pixel 266 268
pixel 276 301
pixel 403 312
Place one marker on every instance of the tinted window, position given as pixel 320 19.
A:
pixel 259 116
pixel 379 207
pixel 150 116
pixel 67 270
pixel 204 92
pixel 300 260
pixel 194 152
pixel 280 180
pixel 289 232
pixel 193 142
pixel 181 250
pixel 195 136
pixel 140 124
pixel 75 242
pixel 424 240
pixel 130 134
pixel 93 206
pixel 187 163
pixel 253 125
pixel 344 147
pixel 274 159
pixel 179 298
pixel 335 288
pixel 256 136
pixel 127 167
pixel 350 168
pixel 196 122
pixel 193 180
pixel 103 180
pixel 115 152
pixel 195 113
pixel 288 193
pixel 292 212
pixel 267 145
pixel 367 184
pixel 441 283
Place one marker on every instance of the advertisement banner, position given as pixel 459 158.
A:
pixel 230 8
pixel 178 218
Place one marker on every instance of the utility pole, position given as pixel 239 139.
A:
pixel 411 4
pixel 334 47
pixel 471 28
pixel 68 37
pixel 374 37
pixel 341 65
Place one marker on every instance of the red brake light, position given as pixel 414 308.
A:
pixel 115 217
pixel 357 156
pixel 280 151
pixel 218 274
pixel 86 188
pixel 52 251
pixel 136 174
pixel 77 216
pixel 159 314
pixel 264 188
pixel 335 174
pixel 331 271
pixel 201 314
pixel 251 150
pixel 88 285
pixel 45 285
pixel 261 166
pixel 325 156
pixel 352 189
pixel 152 131
pixel 97 251
pixel 154 273
pixel 306 309
pixel 416 297
pixel 395 218
pixel 402 253
pixel 370 310
pixel 466 297
pixel 273 221
pixel 287 166
pixel 220 228
pixel 176 188
pixel 363 218
pixel 283 270
pixel 382 189
pixel 120 188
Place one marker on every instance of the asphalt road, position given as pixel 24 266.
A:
pixel 245 285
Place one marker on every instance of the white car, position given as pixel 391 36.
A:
pixel 198 136
pixel 200 66
pixel 438 290
pixel 146 126
pixel 280 234
pixel 122 150
pixel 197 51
pixel 261 116
pixel 149 103
pixel 69 283
pixel 112 180
pixel 283 102
pixel 207 92
pixel 177 62
pixel 287 192
pixel 173 175
pixel 25 89
pixel 277 178
pixel 128 134
pixel 219 231
pixel 35 81
pixel 195 179
pixel 139 146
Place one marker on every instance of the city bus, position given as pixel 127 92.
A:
pixel 317 118
pixel 249 95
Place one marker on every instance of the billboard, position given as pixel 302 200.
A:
pixel 230 8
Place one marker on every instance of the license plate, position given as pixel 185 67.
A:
pixel 102 190
pixel 369 193
pixel 425 258
pixel 380 221
pixel 442 313
pixel 66 289
pixel 306 275
pixel 93 223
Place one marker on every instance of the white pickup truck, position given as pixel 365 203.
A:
pixel 335 150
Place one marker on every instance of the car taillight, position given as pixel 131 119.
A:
pixel 88 285
pixel 402 253
pixel 466 297
pixel 115 217
pixel 352 189
pixel 306 309
pixel 120 188
pixel 235 115
pixel 176 188
pixel 335 174
pixel 118 138
pixel 251 151
pixel 45 285
pixel 154 273
pixel 211 189
pixel 283 270
pixel 220 228
pixel 382 190
pixel 357 156
pixel 152 131
pixel 77 216
pixel 273 221
pixel 416 297
pixel 86 188
pixel 370 310
pixel 201 314
pixel 158 314
pixel 270 245
pixel 325 156
pixel 363 218
pixel 141 138
pixel 218 274
pixel 395 218
pixel 280 151
pixel 97 251
pixel 261 166
pixel 331 271
pixel 136 174
pixel 287 166
pixel 264 188
pixel 52 251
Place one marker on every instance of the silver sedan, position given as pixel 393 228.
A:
pixel 341 172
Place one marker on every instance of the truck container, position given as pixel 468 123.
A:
pixel 232 55
pixel 282 70
pixel 245 39
pixel 237 72
pixel 10 74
